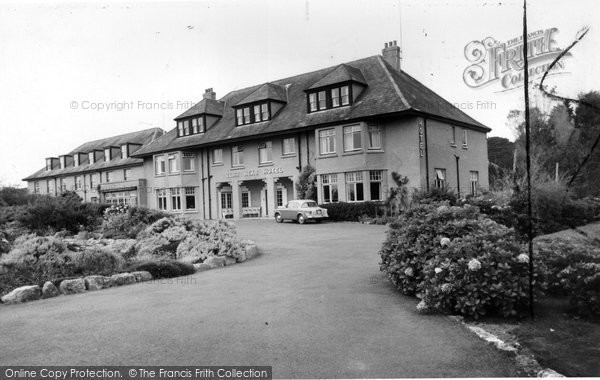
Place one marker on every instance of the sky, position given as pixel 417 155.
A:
pixel 72 72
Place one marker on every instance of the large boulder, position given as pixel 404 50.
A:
pixel 201 267
pixel 23 294
pixel 142 275
pixel 49 290
pixel 229 261
pixel 215 261
pixel 123 279
pixel 94 282
pixel 251 249
pixel 72 286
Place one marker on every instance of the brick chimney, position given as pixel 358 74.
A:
pixel 209 94
pixel 392 54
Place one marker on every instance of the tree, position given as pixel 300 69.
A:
pixel 500 155
pixel 398 198
pixel 307 184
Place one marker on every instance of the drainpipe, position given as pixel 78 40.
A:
pixel 299 152
pixel 208 185
pixel 203 181
pixel 426 152
pixel 457 176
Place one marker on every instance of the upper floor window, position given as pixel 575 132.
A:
pixel 124 151
pixel 159 164
pixel 126 174
pixel 265 152
pixel 217 156
pixel 253 113
pixel 62 162
pixel 465 141
pixel 237 155
pixel 330 98
pixel 48 164
pixel 107 154
pixel 453 136
pixel 188 162
pixel 180 128
pixel 109 176
pixel 374 132
pixel 352 138
pixel 186 127
pixel 91 157
pixel 327 141
pixel 191 126
pixel 288 146
pixel 173 162
pixel 76 160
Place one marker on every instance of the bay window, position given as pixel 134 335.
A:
pixel 190 198
pixel 329 188
pixel 161 199
pixel 173 162
pixel 176 198
pixel 159 165
pixel 354 187
pixel 376 184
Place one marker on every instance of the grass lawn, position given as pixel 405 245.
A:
pixel 558 341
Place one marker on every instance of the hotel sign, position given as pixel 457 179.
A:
pixel 254 172
pixel 492 61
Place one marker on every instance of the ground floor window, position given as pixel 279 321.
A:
pixel 190 198
pixel 161 199
pixel 329 188
pixel 121 197
pixel 440 179
pixel 376 184
pixel 176 198
pixel 226 200
pixel 245 199
pixel 354 187
pixel 36 187
pixel 474 180
pixel 279 196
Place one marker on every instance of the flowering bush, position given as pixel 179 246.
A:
pixel 573 269
pixel 124 221
pixel 456 260
pixel 187 241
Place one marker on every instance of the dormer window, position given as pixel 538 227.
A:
pixel 106 154
pixel 328 98
pixel 124 151
pixel 191 126
pixel 91 158
pixel 254 113
pixel 62 162
pixel 48 164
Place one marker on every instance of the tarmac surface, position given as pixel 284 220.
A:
pixel 312 305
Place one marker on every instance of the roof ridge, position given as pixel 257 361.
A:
pixel 391 79
pixel 121 135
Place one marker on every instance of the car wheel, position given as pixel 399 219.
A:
pixel 301 219
pixel 278 218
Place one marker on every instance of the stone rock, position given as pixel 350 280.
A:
pixel 201 267
pixel 109 282
pixel 123 279
pixel 142 275
pixel 49 290
pixel 230 261
pixel 549 373
pixel 215 261
pixel 72 286
pixel 23 294
pixel 251 250
pixel 94 282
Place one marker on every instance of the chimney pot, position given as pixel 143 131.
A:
pixel 392 54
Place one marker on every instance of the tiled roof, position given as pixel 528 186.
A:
pixel 387 91
pixel 207 106
pixel 264 92
pixel 140 137
pixel 340 74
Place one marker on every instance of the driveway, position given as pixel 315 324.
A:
pixel 313 304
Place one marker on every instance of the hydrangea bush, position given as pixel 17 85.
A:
pixel 456 260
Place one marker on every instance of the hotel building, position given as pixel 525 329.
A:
pixel 241 155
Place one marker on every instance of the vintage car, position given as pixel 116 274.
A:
pixel 300 210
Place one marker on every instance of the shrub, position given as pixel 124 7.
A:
pixel 572 269
pixel 456 259
pixel 35 259
pixel 352 212
pixel 164 268
pixel 435 195
pixel 61 213
pixel 9 214
pixel 15 196
pixel 124 221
